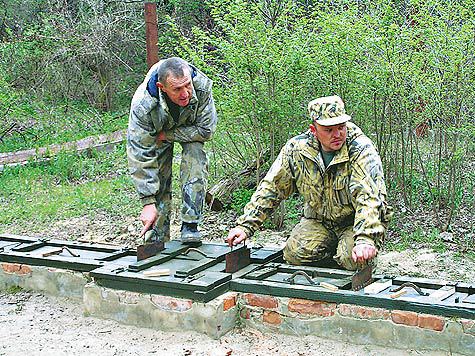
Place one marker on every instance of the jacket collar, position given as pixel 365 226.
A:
pixel 313 148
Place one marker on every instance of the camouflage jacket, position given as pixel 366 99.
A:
pixel 349 192
pixel 149 114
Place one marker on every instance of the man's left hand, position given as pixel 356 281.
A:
pixel 363 252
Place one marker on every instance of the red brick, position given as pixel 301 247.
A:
pixel 170 303
pixel 404 317
pixel 360 312
pixel 468 326
pixel 24 269
pixel 11 268
pixel 304 306
pixel 432 322
pixel 271 317
pixel 262 301
pixel 229 302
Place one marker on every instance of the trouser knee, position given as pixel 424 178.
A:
pixel 309 243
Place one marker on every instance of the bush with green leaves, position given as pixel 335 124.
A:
pixel 396 64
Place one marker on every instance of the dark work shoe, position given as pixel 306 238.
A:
pixel 190 233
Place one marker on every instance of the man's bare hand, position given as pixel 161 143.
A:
pixel 363 252
pixel 235 236
pixel 162 136
pixel 148 217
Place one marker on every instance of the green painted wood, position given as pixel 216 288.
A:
pixel 63 262
pixel 195 267
pixel 465 287
pixel 469 299
pixel 119 254
pixel 203 281
pixel 198 296
pixel 149 262
pixel 264 255
pixel 30 247
pixel 262 273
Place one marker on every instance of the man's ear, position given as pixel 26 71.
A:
pixel 313 129
pixel 160 86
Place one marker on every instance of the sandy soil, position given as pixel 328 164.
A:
pixel 33 324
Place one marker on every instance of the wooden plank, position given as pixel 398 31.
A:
pixel 329 286
pixel 157 272
pixel 398 294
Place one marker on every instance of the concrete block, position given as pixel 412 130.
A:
pixel 160 312
pixel 51 281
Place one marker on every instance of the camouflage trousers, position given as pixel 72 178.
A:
pixel 311 243
pixel 193 178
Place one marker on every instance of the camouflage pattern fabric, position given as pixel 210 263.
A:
pixel 150 162
pixel 350 192
pixel 328 111
pixel 311 243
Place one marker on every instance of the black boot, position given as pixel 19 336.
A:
pixel 190 233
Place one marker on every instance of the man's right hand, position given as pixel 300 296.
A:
pixel 161 136
pixel 236 236
pixel 148 217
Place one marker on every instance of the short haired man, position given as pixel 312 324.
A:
pixel 338 171
pixel 173 104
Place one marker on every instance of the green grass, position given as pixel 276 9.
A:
pixel 13 290
pixel 67 186
pixel 418 239
pixel 47 202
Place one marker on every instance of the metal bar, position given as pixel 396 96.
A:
pixel 291 279
pixel 237 259
pixel 411 285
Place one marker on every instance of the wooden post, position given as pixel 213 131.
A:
pixel 151 33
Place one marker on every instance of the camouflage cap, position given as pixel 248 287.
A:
pixel 328 111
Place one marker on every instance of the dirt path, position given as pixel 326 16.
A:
pixel 32 324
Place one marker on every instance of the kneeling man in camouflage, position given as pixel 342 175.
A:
pixel 338 171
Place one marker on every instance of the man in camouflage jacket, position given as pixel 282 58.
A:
pixel 338 171
pixel 173 104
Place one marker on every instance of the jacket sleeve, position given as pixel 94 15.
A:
pixel 205 124
pixel 368 193
pixel 277 185
pixel 141 146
